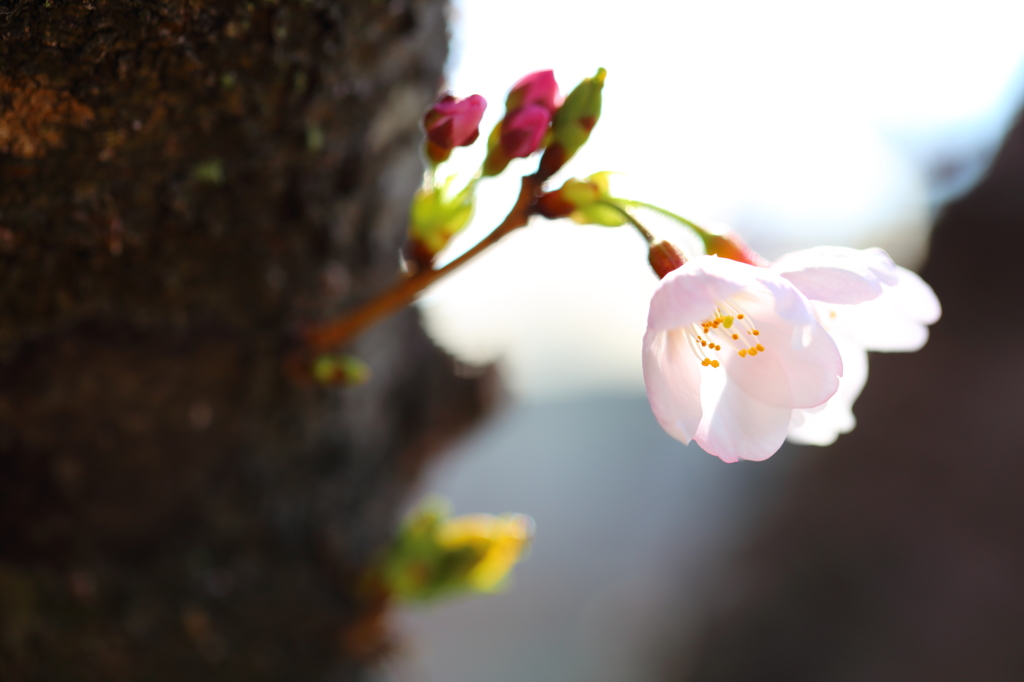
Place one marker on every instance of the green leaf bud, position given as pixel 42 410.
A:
pixel 436 554
pixel 436 215
pixel 340 370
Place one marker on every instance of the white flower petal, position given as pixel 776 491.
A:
pixel 837 274
pixel 822 425
pixel 799 367
pixel 895 321
pixel 687 295
pixel 673 381
pixel 736 407
pixel 736 426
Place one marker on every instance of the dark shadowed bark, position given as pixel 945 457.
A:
pixel 183 186
pixel 900 554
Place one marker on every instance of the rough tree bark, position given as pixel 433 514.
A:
pixel 899 553
pixel 184 185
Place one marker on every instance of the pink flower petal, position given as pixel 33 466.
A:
pixel 822 425
pixel 688 295
pixel 791 372
pixel 672 377
pixel 737 426
pixel 837 274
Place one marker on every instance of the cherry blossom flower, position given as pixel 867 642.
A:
pixel 866 302
pixel 731 350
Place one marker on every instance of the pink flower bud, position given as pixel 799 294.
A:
pixel 538 87
pixel 523 130
pixel 728 244
pixel 454 122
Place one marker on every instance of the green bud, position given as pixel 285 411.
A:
pixel 340 370
pixel 436 216
pixel 573 122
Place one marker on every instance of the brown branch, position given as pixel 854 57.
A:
pixel 333 333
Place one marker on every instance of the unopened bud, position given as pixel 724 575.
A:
pixel 523 130
pixel 538 87
pixel 586 201
pixel 573 122
pixel 665 257
pixel 452 123
pixel 727 244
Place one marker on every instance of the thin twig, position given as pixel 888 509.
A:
pixel 333 333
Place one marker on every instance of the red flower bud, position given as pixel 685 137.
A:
pixel 523 130
pixel 553 205
pixel 454 122
pixel 665 257
pixel 728 244
pixel 538 87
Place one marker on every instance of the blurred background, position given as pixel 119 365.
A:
pixel 895 554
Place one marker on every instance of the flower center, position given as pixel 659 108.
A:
pixel 730 326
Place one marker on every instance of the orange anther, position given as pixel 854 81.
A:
pixel 760 347
pixel 753 351
pixel 740 316
pixel 714 363
pixel 743 352
pixel 756 333
pixel 735 336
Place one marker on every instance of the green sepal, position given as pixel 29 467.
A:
pixel 436 215
pixel 497 160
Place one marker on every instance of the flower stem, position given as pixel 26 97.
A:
pixel 629 218
pixel 701 232
pixel 333 333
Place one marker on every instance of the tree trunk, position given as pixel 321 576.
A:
pixel 184 186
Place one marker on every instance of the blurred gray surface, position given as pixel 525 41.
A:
pixel 633 530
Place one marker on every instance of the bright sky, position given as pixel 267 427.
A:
pixel 799 123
